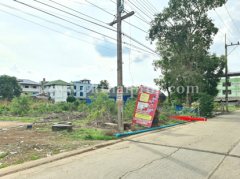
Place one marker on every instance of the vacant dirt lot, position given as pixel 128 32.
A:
pixel 19 145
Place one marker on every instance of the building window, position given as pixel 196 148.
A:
pixel 81 93
pixel 75 87
pixel 81 87
pixel 229 84
pixel 75 94
pixel 68 94
pixel 34 87
pixel 53 93
pixel 53 86
pixel 229 91
pixel 26 86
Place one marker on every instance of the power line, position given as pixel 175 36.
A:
pixel 66 13
pixel 145 7
pixel 151 5
pixel 61 32
pixel 144 1
pixel 99 8
pixel 225 25
pixel 140 10
pixel 134 15
pixel 231 18
pixel 75 30
pixel 115 16
pixel 89 5
pixel 85 27
pixel 78 12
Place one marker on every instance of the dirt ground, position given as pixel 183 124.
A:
pixel 19 145
pixel 11 124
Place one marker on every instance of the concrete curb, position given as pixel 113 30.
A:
pixel 17 168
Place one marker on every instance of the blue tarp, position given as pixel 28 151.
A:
pixel 124 99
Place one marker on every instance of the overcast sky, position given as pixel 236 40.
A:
pixel 30 51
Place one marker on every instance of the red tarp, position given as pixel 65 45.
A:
pixel 189 118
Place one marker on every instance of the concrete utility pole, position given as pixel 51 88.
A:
pixel 226 75
pixel 226 71
pixel 120 10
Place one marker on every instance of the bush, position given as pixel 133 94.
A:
pixel 4 109
pixel 129 109
pixel 71 99
pixel 163 117
pixel 21 105
pixel 206 104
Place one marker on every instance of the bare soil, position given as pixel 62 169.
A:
pixel 18 145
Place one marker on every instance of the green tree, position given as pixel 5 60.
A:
pixel 185 34
pixel 9 87
pixel 104 84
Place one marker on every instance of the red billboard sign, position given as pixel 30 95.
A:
pixel 146 105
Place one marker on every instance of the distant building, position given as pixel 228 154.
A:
pixel 113 94
pixel 29 86
pixel 40 96
pixel 81 88
pixel 57 90
pixel 233 91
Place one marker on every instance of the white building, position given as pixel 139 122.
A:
pixel 57 90
pixel 29 86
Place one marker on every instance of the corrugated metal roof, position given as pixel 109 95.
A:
pixel 58 82
pixel 28 82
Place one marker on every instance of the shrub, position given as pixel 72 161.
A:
pixel 21 105
pixel 206 104
pixel 163 117
pixel 71 99
pixel 4 108
pixel 129 109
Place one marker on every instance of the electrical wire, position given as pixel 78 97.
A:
pixel 133 8
pixel 130 60
pixel 61 32
pixel 89 5
pixel 78 12
pixel 225 25
pixel 85 27
pixel 146 9
pixel 144 1
pixel 134 15
pixel 231 18
pixel 78 31
pixel 232 50
pixel 123 20
pixel 140 10
pixel 151 5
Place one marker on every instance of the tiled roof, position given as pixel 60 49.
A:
pixel 28 82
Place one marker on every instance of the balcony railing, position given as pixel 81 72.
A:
pixel 30 90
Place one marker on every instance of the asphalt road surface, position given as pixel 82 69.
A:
pixel 193 151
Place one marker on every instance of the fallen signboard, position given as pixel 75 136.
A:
pixel 146 105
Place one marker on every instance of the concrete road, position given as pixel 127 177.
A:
pixel 198 150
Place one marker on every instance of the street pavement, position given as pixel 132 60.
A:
pixel 197 150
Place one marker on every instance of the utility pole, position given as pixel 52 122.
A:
pixel 226 71
pixel 226 75
pixel 120 10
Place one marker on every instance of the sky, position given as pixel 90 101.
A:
pixel 51 48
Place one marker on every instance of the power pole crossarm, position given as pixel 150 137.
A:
pixel 122 18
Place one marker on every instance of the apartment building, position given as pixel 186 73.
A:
pixel 82 87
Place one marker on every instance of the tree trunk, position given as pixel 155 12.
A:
pixel 189 99
pixel 169 96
